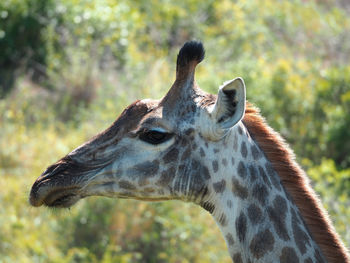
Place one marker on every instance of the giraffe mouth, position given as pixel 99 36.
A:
pixel 61 199
pixel 57 186
pixel 58 197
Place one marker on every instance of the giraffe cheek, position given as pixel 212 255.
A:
pixel 191 180
pixel 145 169
pixel 166 177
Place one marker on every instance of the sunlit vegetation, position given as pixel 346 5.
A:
pixel 68 68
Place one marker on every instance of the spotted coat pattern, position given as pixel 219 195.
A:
pixel 261 223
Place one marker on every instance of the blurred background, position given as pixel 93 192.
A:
pixel 69 67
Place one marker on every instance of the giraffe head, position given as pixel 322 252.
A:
pixel 153 150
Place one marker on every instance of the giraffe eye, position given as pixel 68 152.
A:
pixel 154 137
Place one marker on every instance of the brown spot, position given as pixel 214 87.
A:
pixel 223 220
pixel 202 153
pixel 183 142
pixel 166 176
pixel 230 239
pixel 308 260
pixel 241 227
pixel 215 166
pixel 186 154
pixel 219 187
pixel 288 255
pixel 205 172
pixel 235 143
pixel 254 214
pixel 237 258
pixel 239 189
pixel 171 156
pixel 229 203
pixel 300 236
pixel 260 193
pixel 253 173
pixel 194 146
pixel 277 215
pixel 264 176
pixel 244 150
pixel 147 168
pixel 273 176
pixel 262 243
pixel 182 169
pixel 242 170
pixel 126 185
pixel 255 152
pixel 143 181
pixel 224 162
pixel 294 215
pixel 193 108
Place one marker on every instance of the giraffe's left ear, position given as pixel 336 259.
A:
pixel 230 104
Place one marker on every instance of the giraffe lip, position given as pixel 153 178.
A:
pixel 54 197
pixel 61 199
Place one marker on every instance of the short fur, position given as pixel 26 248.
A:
pixel 190 55
pixel 296 184
pixel 191 51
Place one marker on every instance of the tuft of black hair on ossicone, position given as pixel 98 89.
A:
pixel 191 51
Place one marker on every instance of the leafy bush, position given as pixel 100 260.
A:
pixel 22 40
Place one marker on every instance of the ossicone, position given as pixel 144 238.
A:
pixel 189 56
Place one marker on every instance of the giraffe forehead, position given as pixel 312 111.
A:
pixel 126 122
pixel 177 119
pixel 134 114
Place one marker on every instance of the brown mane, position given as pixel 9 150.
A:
pixel 297 185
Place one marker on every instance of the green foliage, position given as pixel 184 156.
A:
pixel 22 41
pixel 334 185
pixel 335 89
pixel 98 56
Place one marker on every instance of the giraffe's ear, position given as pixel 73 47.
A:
pixel 230 104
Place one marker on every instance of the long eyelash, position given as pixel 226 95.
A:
pixel 157 130
pixel 144 130
pixel 146 136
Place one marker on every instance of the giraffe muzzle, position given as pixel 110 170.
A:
pixel 59 185
pixel 46 191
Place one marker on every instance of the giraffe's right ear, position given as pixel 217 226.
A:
pixel 230 104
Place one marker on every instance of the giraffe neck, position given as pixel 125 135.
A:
pixel 257 217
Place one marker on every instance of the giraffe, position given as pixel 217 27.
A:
pixel 215 151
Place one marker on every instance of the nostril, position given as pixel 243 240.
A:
pixel 33 196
